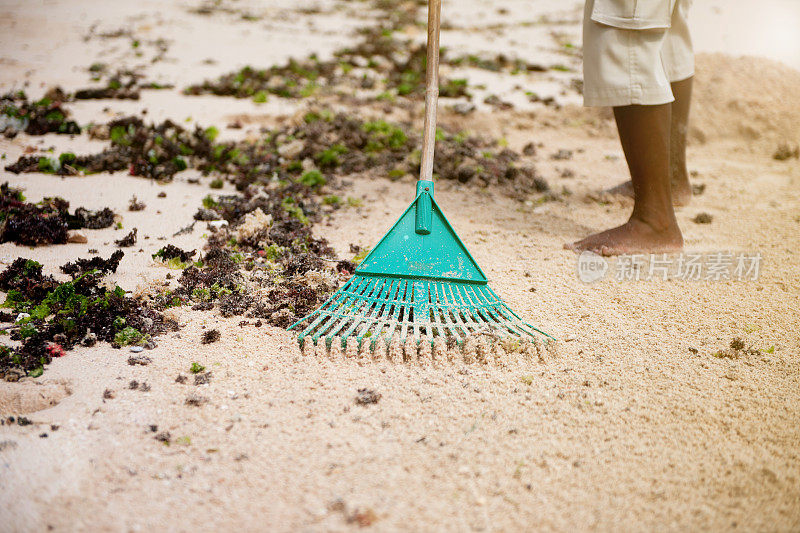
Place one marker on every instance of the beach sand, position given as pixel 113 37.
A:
pixel 634 424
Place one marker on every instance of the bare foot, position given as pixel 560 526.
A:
pixel 681 192
pixel 632 237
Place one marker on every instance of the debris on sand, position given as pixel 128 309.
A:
pixel 110 91
pixel 786 151
pixel 265 269
pixel 83 218
pixel 121 85
pixel 58 316
pixel 29 224
pixel 325 145
pixel 152 151
pixel 196 400
pixel 89 340
pixel 363 517
pixel 255 224
pixel 82 266
pixel 736 349
pixel 308 154
pixel 171 252
pixel 379 62
pixel 367 396
pixel 562 155
pixel 495 101
pixel 703 218
pixel 203 378
pixel 135 385
pixel 212 335
pixel 136 205
pixel 139 359
pixel 47 222
pixel 43 116
pixel 382 62
pixel 265 263
pixel 128 240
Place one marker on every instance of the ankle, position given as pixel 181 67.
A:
pixel 656 222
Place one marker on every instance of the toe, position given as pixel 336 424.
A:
pixel 609 251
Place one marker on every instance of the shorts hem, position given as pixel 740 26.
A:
pixel 630 23
pixel 625 97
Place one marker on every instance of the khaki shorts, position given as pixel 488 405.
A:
pixel 633 50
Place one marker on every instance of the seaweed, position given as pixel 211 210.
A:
pixel 81 266
pixel 212 335
pixel 378 58
pixel 30 225
pixel 155 151
pixel 84 218
pixel 47 222
pixel 703 218
pixel 338 144
pixel 47 115
pixel 23 281
pixel 171 251
pixel 135 204
pixel 121 85
pixel 58 316
pixel 382 60
pixel 128 240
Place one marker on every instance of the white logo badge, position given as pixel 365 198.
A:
pixel 591 267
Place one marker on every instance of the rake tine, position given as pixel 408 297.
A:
pixel 469 312
pixel 371 306
pixel 454 311
pixel 515 315
pixel 355 304
pixel 433 312
pixel 319 312
pixel 488 310
pixel 365 303
pixel 334 311
pixel 379 302
pixel 476 309
pixel 441 297
pixel 324 312
pixel 491 308
pixel 386 311
pixel 401 311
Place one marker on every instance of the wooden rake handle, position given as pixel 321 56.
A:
pixel 431 90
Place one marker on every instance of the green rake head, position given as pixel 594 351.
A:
pixel 420 281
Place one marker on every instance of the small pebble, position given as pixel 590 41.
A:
pixel 136 349
pixel 75 237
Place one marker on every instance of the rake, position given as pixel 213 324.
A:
pixel 419 281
